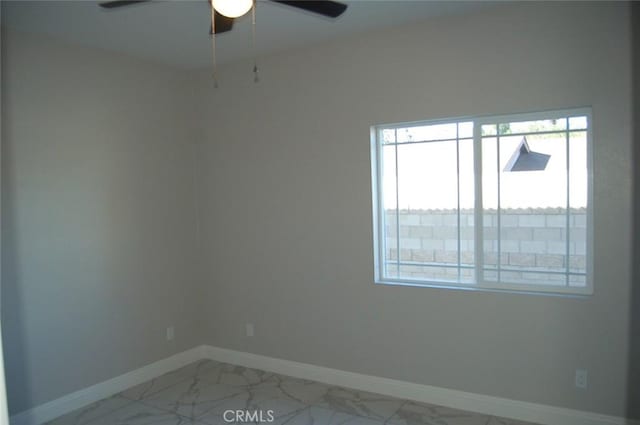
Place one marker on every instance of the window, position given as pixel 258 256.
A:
pixel 498 203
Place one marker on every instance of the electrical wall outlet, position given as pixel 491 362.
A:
pixel 250 330
pixel 581 379
pixel 171 333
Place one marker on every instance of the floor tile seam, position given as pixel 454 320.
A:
pixel 202 415
pixel 382 421
pixel 404 403
pixel 356 415
pixel 293 414
pixel 130 402
pixel 173 412
pixel 145 394
pixel 146 403
pixel 156 391
pixel 228 397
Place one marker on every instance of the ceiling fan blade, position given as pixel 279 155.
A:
pixel 223 24
pixel 331 9
pixel 119 3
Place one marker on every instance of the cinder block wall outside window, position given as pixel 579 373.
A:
pixel 530 238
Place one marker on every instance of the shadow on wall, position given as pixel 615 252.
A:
pixel 13 325
pixel 633 383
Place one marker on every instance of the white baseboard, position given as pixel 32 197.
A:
pixel 55 408
pixel 521 410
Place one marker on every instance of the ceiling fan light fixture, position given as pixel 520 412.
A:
pixel 232 8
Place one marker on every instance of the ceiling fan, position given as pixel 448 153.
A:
pixel 223 13
pixel 326 8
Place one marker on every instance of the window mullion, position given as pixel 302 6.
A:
pixel 568 215
pixel 477 211
pixel 382 216
pixel 498 208
pixel 395 134
pixel 458 196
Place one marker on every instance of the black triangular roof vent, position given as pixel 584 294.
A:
pixel 524 159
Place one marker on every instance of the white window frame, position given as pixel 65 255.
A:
pixel 480 284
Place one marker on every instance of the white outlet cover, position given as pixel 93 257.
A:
pixel 250 330
pixel 171 333
pixel 581 378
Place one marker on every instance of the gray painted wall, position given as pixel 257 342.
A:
pixel 4 408
pixel 98 217
pixel 287 204
pixel 634 330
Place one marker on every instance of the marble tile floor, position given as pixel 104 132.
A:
pixel 201 393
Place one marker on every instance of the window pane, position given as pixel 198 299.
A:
pixel 525 214
pixel 428 204
pixel 532 126
pixel 489 130
pixel 465 130
pixel 390 215
pixel 534 278
pixel 577 281
pixel 533 214
pixel 467 204
pixel 578 180
pixel 427 176
pixel 492 257
pixel 388 136
pixel 536 183
pixel 577 123
pixel 429 273
pixel 427 132
pixel 388 165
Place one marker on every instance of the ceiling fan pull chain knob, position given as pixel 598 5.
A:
pixel 256 76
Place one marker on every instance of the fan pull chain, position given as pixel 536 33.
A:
pixel 256 75
pixel 213 47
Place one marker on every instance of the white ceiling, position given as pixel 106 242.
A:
pixel 176 32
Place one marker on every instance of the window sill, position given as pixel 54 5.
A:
pixel 551 292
